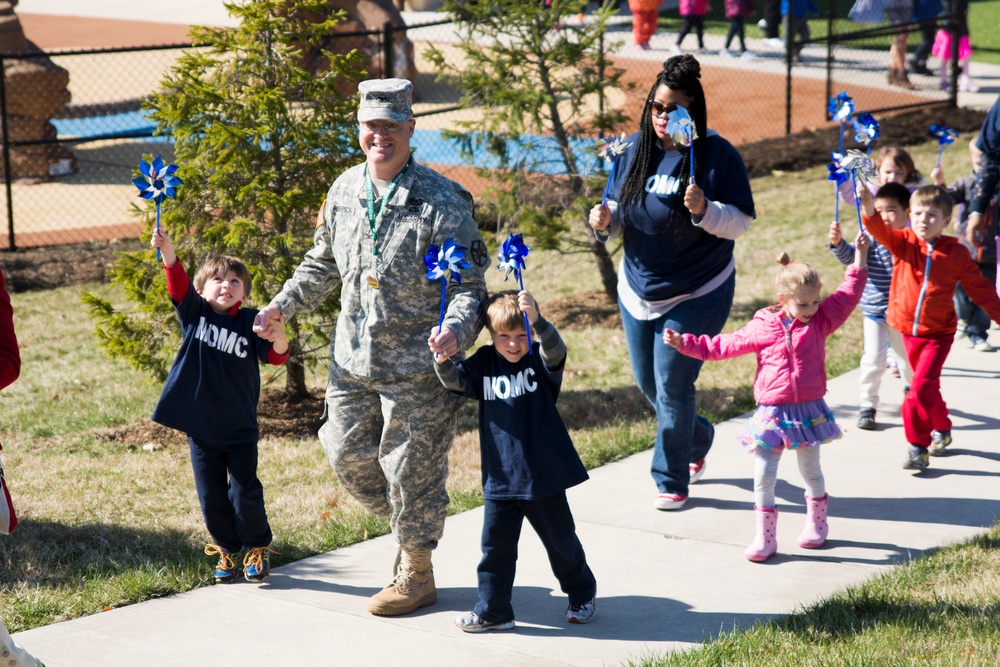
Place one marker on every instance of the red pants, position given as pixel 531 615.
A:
pixel 924 409
pixel 644 23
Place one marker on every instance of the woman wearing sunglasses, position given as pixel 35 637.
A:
pixel 678 270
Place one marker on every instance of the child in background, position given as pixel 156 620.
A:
pixel 893 202
pixel 894 165
pixel 645 17
pixel 789 340
pixel 528 459
pixel 942 44
pixel 927 267
pixel 737 11
pixel 798 12
pixel 973 321
pixel 693 12
pixel 211 394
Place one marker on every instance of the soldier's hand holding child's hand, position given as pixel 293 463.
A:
pixel 671 338
pixel 268 322
pixel 834 233
pixel 528 305
pixel 161 241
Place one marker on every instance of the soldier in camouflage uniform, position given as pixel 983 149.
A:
pixel 390 422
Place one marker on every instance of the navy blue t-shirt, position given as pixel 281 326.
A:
pixel 212 390
pixel 525 449
pixel 666 260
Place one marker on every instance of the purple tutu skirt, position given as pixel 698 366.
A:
pixel 790 425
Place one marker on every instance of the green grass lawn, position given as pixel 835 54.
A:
pixel 105 524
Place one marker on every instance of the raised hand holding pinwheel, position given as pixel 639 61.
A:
pixel 156 183
pixel 682 130
pixel 444 263
pixel 839 176
pixel 610 150
pixel 511 255
pixel 841 108
pixel 945 136
pixel 859 164
pixel 866 130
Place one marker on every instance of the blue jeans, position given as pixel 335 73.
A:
pixel 552 520
pixel 666 378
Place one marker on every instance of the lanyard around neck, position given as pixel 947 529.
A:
pixel 374 220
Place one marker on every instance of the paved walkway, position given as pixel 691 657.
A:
pixel 666 580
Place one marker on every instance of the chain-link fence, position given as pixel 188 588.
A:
pixel 76 128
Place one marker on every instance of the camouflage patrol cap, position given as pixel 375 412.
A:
pixel 385 99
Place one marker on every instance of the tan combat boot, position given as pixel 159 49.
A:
pixel 412 588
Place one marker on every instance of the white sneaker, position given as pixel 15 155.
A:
pixel 748 55
pixel 966 85
pixel 762 24
pixel 775 43
pixel 960 331
pixel 669 501
pixel 725 53
pixel 982 345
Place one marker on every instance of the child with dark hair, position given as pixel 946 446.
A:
pixel 927 267
pixel 881 341
pixel 211 394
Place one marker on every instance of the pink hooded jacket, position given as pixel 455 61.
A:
pixel 791 361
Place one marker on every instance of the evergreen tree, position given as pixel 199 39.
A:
pixel 259 133
pixel 538 85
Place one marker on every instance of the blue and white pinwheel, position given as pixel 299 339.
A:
pixel 683 131
pixel 866 130
pixel 610 150
pixel 859 165
pixel 157 182
pixel 511 255
pixel 839 176
pixel 445 263
pixel 945 136
pixel 841 108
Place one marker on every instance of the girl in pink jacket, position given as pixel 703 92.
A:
pixel 789 340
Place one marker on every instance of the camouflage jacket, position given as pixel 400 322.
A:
pixel 388 306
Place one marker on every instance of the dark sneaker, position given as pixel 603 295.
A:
pixel 257 564
pixel 581 613
pixel 225 569
pixel 939 440
pixel 697 469
pixel 866 419
pixel 916 458
pixel 471 622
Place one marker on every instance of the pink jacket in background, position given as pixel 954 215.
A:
pixel 791 362
pixel 739 9
pixel 695 7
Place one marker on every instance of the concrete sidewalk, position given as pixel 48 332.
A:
pixel 666 580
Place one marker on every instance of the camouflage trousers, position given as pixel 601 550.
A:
pixel 387 440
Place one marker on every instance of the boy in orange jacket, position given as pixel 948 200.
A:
pixel 927 267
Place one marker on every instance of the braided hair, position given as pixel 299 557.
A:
pixel 681 73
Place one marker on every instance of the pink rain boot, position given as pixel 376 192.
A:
pixel 765 543
pixel 814 534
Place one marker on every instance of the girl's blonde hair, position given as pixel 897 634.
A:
pixel 793 275
pixel 503 313
pixel 901 159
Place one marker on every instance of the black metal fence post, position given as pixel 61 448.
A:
pixel 788 73
pixel 387 49
pixel 956 19
pixel 11 245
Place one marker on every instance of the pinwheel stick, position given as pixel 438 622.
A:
pixel 527 325
pixel 159 257
pixel 836 202
pixel 444 298
pixel 940 153
pixel 691 149
pixel 857 199
pixel 611 177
